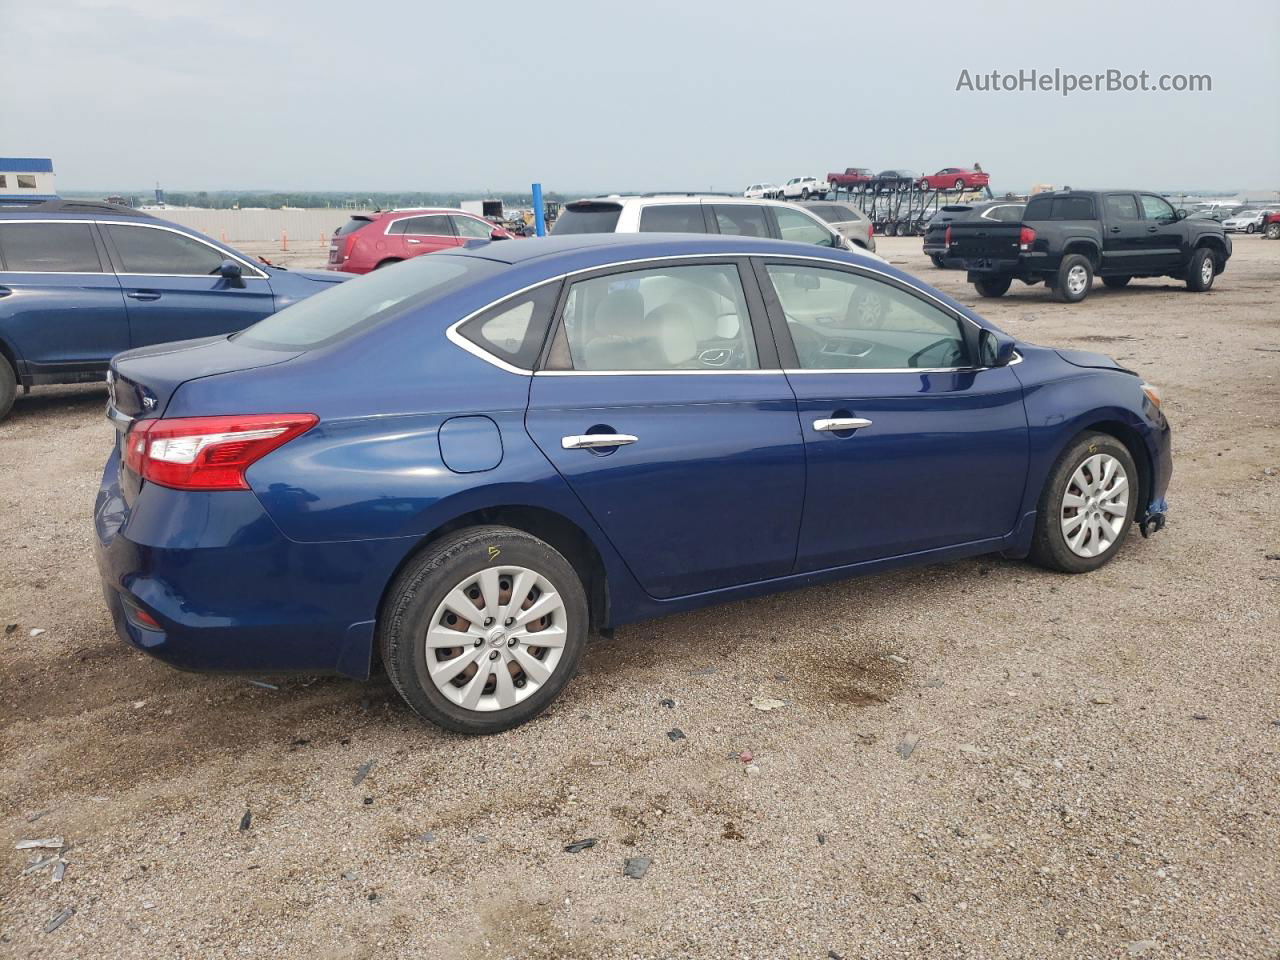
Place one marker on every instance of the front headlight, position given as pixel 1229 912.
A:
pixel 1153 394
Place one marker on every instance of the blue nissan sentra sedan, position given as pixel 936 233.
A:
pixel 469 462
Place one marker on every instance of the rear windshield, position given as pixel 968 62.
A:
pixel 587 218
pixel 352 225
pixel 344 308
pixel 1059 208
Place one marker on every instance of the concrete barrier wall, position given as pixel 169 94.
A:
pixel 259 226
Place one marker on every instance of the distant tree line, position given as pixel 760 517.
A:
pixel 232 199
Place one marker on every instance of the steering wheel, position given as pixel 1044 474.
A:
pixel 951 357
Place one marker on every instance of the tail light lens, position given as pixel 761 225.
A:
pixel 871 229
pixel 208 453
pixel 1026 237
pixel 947 238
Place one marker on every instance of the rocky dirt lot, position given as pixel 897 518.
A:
pixel 1095 772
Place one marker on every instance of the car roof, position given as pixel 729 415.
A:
pixel 663 198
pixel 74 209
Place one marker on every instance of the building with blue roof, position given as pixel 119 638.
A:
pixel 26 180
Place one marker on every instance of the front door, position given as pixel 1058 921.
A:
pixel 1164 232
pixel 173 287
pixel 1124 235
pixel 662 405
pixel 60 304
pixel 909 448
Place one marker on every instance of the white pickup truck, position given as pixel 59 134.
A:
pixel 805 188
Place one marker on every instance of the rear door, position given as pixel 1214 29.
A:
pixel 909 447
pixel 662 405
pixel 60 304
pixel 1124 234
pixel 415 236
pixel 173 287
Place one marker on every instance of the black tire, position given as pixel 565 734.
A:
pixel 8 387
pixel 959 184
pixel 937 261
pixel 992 286
pixel 423 585
pixel 804 194
pixel 1201 270
pixel 1250 228
pixel 1116 283
pixel 1062 291
pixel 1273 231
pixel 1049 547
pixel 387 263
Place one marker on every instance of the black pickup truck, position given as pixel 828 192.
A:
pixel 1068 237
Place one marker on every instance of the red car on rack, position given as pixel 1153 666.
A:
pixel 955 178
pixel 371 240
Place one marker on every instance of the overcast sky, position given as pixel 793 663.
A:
pixel 659 94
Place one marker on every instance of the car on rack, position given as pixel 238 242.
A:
pixel 954 178
pixel 802 188
pixel 461 468
pixel 692 213
pixel 996 211
pixel 890 181
pixel 762 191
pixel 848 220
pixel 369 241
pixel 81 281
pixel 1068 237
pixel 852 180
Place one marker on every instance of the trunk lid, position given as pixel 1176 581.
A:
pixel 983 240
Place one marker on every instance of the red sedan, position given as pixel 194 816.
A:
pixel 954 178
pixel 371 240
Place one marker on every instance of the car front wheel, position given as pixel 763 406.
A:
pixel 481 631
pixel 8 387
pixel 1087 505
pixel 1200 271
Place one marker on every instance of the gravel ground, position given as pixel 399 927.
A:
pixel 1094 771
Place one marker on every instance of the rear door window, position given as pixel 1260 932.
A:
pixel 741 219
pixel 434 225
pixel 1120 206
pixel 48 248
pixel 148 250
pixel 1059 208
pixel 672 218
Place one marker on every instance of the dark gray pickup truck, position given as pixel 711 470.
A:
pixel 1068 237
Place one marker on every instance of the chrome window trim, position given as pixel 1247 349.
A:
pixel 387 232
pixel 451 332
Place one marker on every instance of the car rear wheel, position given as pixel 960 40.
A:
pixel 481 631
pixel 8 387
pixel 959 184
pixel 1273 231
pixel 1087 505
pixel 1075 277
pixel 992 286
pixel 387 263
pixel 1200 271
pixel 937 261
pixel 1116 283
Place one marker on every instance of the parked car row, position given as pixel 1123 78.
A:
pixel 862 180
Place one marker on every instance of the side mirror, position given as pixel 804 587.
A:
pixel 1182 214
pixel 995 349
pixel 496 234
pixel 232 273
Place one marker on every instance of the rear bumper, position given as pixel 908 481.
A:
pixel 228 590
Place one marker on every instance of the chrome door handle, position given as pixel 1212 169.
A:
pixel 597 441
pixel 410 240
pixel 840 423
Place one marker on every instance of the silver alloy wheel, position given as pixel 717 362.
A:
pixel 496 638
pixel 1077 277
pixel 1095 505
pixel 1206 270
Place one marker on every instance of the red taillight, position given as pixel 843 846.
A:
pixel 947 239
pixel 208 453
pixel 871 229
pixel 1026 237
